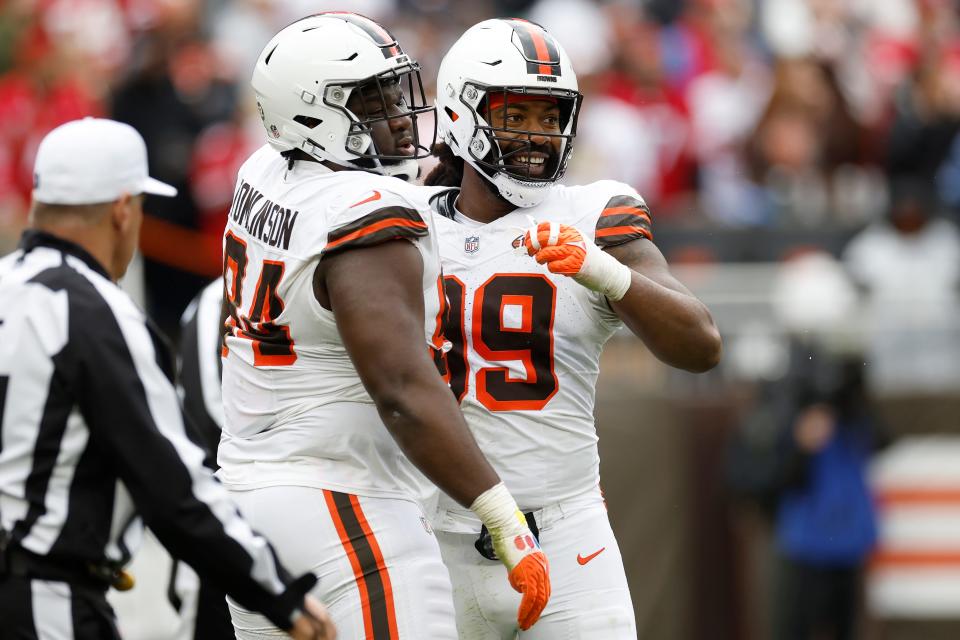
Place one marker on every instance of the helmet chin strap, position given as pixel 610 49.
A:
pixel 517 193
pixel 507 188
pixel 491 187
pixel 407 170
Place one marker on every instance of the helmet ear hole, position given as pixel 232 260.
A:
pixel 307 121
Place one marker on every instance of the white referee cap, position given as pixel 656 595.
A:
pixel 93 160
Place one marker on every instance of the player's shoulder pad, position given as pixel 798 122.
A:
pixel 375 210
pixel 441 199
pixel 257 161
pixel 620 214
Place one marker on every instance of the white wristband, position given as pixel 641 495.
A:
pixel 604 274
pixel 497 509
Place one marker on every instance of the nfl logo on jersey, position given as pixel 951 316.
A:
pixel 471 244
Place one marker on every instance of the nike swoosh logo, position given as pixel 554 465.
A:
pixel 584 560
pixel 375 196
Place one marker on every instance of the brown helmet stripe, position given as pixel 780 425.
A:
pixel 539 47
pixel 383 38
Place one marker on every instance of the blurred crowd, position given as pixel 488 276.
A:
pixel 775 114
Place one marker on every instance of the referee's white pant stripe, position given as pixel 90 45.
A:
pixel 52 611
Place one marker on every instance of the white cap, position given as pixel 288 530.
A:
pixel 93 160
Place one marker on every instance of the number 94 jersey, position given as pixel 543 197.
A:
pixel 526 342
pixel 296 412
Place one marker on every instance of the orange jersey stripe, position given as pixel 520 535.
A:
pixel 381 568
pixel 377 226
pixel 918 496
pixel 437 339
pixel 930 559
pixel 354 563
pixel 621 231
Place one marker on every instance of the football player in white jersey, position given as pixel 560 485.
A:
pixel 333 306
pixel 529 314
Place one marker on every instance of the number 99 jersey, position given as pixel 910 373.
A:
pixel 526 342
pixel 295 410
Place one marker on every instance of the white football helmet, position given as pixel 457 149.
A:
pixel 500 58
pixel 305 76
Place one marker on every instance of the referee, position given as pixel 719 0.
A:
pixel 91 430
pixel 200 604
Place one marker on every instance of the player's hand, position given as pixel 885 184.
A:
pixel 517 549
pixel 565 251
pixel 527 567
pixel 558 246
pixel 314 623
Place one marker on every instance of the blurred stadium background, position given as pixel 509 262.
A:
pixel 802 164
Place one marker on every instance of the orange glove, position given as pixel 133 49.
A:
pixel 564 250
pixel 518 549
pixel 531 578
pixel 559 246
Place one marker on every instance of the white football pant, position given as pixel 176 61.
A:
pixel 377 560
pixel 590 599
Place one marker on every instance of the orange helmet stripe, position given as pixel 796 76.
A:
pixel 377 32
pixel 539 47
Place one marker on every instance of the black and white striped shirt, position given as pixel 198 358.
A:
pixel 92 435
pixel 200 339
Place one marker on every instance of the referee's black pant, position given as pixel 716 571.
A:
pixel 32 609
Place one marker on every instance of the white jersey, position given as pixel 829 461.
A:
pixel 295 410
pixel 527 343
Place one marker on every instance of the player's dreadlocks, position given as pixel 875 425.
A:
pixel 449 172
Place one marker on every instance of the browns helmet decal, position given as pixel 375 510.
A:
pixel 384 39
pixel 537 46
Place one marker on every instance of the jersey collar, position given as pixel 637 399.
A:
pixel 33 238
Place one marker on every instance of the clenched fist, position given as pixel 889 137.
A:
pixel 565 251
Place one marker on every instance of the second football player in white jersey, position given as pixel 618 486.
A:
pixel 527 339
pixel 333 308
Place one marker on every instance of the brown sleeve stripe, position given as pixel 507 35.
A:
pixel 375 216
pixel 626 201
pixel 376 227
pixel 616 211
pixel 622 220
pixel 625 218
pixel 377 233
